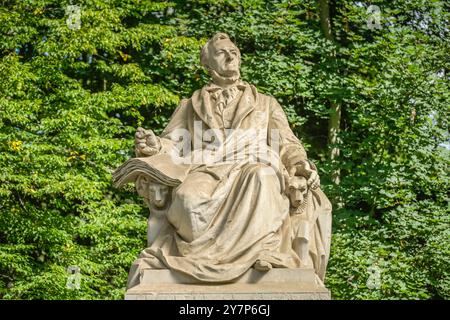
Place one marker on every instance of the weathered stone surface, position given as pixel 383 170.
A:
pixel 230 191
pixel 251 276
pixel 276 284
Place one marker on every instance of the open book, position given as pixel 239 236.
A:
pixel 159 168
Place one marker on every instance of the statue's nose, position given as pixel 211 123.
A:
pixel 298 197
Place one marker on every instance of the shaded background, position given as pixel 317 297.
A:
pixel 367 94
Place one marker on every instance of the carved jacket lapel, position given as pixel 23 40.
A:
pixel 201 103
pixel 246 105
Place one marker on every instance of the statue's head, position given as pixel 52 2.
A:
pixel 221 58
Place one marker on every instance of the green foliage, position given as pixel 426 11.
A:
pixel 70 100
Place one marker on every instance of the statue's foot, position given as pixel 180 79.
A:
pixel 262 265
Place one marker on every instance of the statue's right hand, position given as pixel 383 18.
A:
pixel 146 143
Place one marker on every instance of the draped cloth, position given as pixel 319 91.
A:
pixel 231 209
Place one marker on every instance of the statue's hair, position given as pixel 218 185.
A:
pixel 204 54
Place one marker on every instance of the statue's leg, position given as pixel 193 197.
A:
pixel 187 212
pixel 262 174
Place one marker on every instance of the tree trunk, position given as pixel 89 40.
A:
pixel 334 124
pixel 325 20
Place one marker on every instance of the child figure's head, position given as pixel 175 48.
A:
pixel 297 188
pixel 158 194
pixel 155 194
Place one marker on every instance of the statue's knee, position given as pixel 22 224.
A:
pixel 183 194
pixel 261 172
pixel 187 198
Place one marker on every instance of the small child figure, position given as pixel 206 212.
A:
pixel 157 197
pixel 297 191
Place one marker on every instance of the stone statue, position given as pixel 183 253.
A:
pixel 229 185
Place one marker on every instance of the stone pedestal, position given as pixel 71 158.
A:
pixel 278 284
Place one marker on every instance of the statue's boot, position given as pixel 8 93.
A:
pixel 262 265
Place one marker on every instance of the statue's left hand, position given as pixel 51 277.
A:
pixel 314 180
pixel 304 169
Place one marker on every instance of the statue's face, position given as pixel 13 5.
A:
pixel 158 194
pixel 297 190
pixel 224 58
